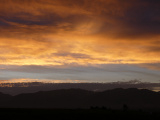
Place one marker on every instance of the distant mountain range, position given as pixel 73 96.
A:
pixel 77 98
pixel 32 87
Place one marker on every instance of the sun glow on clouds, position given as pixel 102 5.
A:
pixel 51 33
pixel 80 32
pixel 60 52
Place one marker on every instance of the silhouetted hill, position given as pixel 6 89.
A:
pixel 4 97
pixel 77 98
pixel 134 98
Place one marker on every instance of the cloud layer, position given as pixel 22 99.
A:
pixel 78 74
pixel 59 32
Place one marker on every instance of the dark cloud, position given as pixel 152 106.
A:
pixel 153 49
pixel 3 23
pixel 74 55
pixel 139 19
pixel 120 19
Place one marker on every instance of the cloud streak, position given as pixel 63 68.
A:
pixel 97 73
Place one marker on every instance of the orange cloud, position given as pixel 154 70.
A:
pixel 38 32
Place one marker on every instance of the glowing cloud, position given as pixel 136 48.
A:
pixel 38 32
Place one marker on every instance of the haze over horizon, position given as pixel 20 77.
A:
pixel 79 41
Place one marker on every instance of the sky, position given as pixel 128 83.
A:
pixel 79 41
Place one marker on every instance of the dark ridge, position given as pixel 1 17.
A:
pixel 4 97
pixel 131 98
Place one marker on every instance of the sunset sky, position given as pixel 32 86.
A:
pixel 79 40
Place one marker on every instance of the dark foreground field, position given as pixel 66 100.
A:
pixel 76 114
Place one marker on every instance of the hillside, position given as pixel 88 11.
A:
pixel 77 98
